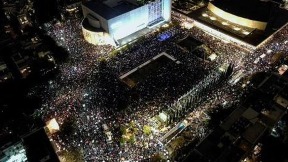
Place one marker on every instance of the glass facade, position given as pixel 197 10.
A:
pixel 128 23
pixel 137 19
pixel 155 11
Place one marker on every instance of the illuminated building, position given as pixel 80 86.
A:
pixel 246 23
pixel 13 153
pixel 52 126
pixel 39 147
pixel 111 20
pixel 243 13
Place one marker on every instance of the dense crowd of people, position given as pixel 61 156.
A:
pixel 82 87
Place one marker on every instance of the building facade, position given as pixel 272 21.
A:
pixel 122 18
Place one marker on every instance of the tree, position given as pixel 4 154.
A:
pixel 132 138
pixel 73 155
pixel 122 141
pixel 123 129
pixel 158 158
pixel 114 53
pixel 147 130
pixel 217 114
pixel 68 127
pixel 46 10
pixel 132 124
pixel 59 53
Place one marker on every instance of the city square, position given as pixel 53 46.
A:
pixel 141 80
pixel 91 105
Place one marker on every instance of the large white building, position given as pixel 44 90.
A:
pixel 111 20
pixel 13 153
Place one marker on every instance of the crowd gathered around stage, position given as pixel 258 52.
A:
pixel 88 87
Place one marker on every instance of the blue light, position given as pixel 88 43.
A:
pixel 164 36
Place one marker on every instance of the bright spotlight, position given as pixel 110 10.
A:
pixel 52 126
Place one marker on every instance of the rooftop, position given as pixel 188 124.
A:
pixel 254 132
pixel 218 147
pixel 109 9
pixel 250 9
pixel 254 37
